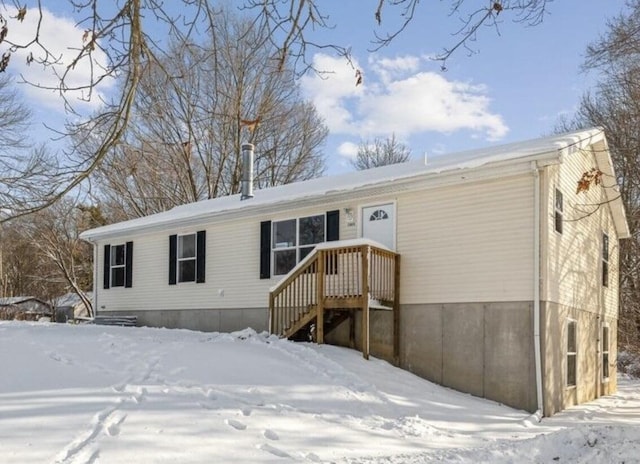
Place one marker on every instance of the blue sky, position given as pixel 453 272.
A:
pixel 513 88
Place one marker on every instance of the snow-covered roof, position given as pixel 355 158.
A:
pixel 13 300
pixel 548 147
pixel 70 299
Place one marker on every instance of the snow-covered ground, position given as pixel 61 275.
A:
pixel 92 394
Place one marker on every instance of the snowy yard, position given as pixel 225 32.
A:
pixel 92 394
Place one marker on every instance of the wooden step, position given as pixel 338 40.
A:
pixel 300 323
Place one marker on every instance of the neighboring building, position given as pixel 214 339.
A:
pixel 70 306
pixel 508 278
pixel 24 308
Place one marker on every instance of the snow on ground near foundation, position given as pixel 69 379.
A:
pixel 94 394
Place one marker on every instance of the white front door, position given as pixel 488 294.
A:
pixel 379 224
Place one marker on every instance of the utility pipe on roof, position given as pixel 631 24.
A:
pixel 247 171
pixel 536 288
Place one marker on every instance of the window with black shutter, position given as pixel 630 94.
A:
pixel 118 265
pixel 187 254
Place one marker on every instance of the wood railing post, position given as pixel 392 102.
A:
pixel 271 309
pixel 320 297
pixel 365 301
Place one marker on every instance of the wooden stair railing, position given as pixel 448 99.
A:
pixel 350 277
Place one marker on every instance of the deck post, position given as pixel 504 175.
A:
pixel 365 301
pixel 320 297
pixel 271 318
pixel 396 311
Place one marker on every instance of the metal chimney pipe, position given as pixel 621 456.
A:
pixel 247 171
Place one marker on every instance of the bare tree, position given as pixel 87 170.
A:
pixel 185 133
pixel 25 171
pixel 134 34
pixel 42 255
pixel 381 152
pixel 614 104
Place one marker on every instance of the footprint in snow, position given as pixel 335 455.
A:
pixel 209 406
pixel 271 435
pixel 246 411
pixel 112 426
pixel 211 395
pixel 59 358
pixel 119 388
pixel 236 424
pixel 273 450
pixel 139 396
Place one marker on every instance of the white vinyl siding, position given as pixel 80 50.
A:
pixel 572 261
pixel 232 272
pixel 467 243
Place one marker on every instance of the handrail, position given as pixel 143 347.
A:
pixel 333 277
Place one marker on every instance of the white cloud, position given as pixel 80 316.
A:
pixel 348 150
pixel 403 100
pixel 388 69
pixel 62 38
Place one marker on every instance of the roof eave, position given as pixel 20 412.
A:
pixel 420 180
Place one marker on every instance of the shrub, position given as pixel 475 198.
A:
pixel 629 363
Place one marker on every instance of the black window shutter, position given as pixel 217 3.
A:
pixel 265 249
pixel 173 254
pixel 106 266
pixel 128 265
pixel 333 225
pixel 333 234
pixel 201 251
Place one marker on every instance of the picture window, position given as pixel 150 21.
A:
pixel 293 239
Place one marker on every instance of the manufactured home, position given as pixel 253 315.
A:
pixel 485 271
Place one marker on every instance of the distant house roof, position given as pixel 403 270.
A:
pixel 27 303
pixel 70 299
pixel 554 147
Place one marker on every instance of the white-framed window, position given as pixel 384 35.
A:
pixel 572 352
pixel 605 352
pixel 293 239
pixel 117 265
pixel 605 260
pixel 558 208
pixel 186 259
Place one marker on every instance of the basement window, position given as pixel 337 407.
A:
pixel 605 352
pixel 558 211
pixel 605 260
pixel 572 353
pixel 293 239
